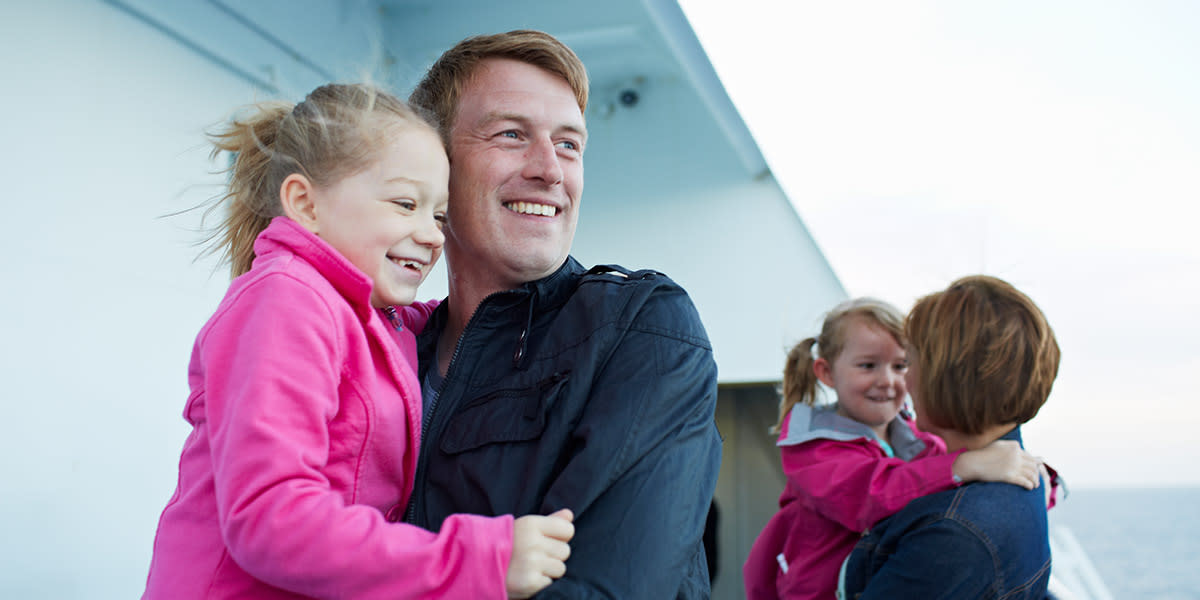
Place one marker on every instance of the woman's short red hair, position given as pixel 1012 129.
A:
pixel 985 355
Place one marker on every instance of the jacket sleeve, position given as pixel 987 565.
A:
pixel 272 361
pixel 939 561
pixel 641 504
pixel 850 483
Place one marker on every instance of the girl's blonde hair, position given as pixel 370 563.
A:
pixel 332 134
pixel 799 379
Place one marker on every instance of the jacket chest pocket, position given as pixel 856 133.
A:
pixel 502 416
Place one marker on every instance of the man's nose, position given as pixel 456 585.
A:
pixel 541 162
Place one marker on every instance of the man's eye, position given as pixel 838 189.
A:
pixel 569 145
pixel 509 134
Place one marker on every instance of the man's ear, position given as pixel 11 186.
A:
pixel 823 371
pixel 296 195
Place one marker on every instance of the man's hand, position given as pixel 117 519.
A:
pixel 539 552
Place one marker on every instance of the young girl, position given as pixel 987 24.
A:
pixel 304 403
pixel 858 460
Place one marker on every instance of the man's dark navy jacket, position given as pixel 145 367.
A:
pixel 593 391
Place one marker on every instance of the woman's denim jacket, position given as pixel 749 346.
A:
pixel 982 540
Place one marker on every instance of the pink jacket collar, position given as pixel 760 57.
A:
pixel 286 235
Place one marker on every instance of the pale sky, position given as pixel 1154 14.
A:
pixel 1052 144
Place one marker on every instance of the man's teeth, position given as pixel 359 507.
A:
pixel 531 208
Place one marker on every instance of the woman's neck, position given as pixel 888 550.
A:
pixel 956 440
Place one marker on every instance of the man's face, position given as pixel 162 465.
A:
pixel 516 175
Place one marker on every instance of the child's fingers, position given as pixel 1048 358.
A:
pixel 1032 475
pixel 558 528
pixel 554 569
pixel 564 513
pixel 557 550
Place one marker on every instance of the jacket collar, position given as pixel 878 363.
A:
pixel 285 236
pixel 556 287
pixel 532 296
pixel 1014 435
pixel 806 423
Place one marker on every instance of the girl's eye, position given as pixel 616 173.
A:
pixel 405 203
pixel 441 219
pixel 867 365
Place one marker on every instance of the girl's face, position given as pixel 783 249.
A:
pixel 868 375
pixel 387 219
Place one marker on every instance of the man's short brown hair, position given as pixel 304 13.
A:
pixel 439 91
pixel 985 355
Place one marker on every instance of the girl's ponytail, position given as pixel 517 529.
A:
pixel 251 200
pixel 799 380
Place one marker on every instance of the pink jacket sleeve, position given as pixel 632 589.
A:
pixel 272 375
pixel 851 484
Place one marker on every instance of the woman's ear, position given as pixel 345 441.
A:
pixel 823 371
pixel 296 193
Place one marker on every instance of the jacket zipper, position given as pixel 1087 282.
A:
pixel 390 311
pixel 427 419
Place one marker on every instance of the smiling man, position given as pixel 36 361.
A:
pixel 548 385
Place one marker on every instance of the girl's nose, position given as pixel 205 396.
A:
pixel 430 234
pixel 891 379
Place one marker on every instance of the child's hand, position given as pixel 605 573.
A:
pixel 1002 460
pixel 539 552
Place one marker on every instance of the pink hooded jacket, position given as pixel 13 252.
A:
pixel 840 482
pixel 306 417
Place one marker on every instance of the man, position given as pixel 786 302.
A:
pixel 547 385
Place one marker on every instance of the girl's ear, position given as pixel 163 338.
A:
pixel 296 193
pixel 823 371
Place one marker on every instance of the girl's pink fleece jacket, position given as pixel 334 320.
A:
pixel 840 482
pixel 306 416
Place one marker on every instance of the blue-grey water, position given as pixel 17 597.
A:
pixel 1145 543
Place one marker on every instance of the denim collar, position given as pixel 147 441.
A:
pixel 1015 435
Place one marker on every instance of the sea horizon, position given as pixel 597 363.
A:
pixel 1141 540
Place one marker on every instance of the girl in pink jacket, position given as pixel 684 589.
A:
pixel 305 407
pixel 851 463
